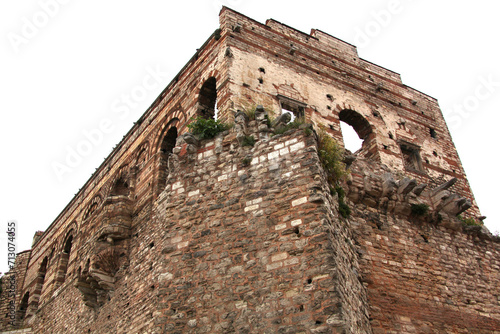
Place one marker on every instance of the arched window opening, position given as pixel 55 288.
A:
pixel 23 307
pixel 40 280
pixel 207 99
pixel 166 148
pixel 92 208
pixel 42 272
pixel 362 129
pixel 68 245
pixel 120 188
pixel 352 142
pixel 168 142
pixel 63 262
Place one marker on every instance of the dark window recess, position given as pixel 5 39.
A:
pixel 432 132
pixel 411 157
pixel 64 259
pixel 120 188
pixel 207 99
pixel 24 306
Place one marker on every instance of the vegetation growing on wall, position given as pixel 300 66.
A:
pixel 295 124
pixel 331 155
pixel 419 209
pixel 248 141
pixel 207 128
pixel 469 221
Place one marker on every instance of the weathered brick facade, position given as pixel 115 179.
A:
pixel 173 234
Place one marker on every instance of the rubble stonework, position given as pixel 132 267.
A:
pixel 242 233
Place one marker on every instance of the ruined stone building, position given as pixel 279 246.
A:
pixel 243 233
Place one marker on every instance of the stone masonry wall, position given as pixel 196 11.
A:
pixel 248 246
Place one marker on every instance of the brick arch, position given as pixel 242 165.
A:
pixel 171 130
pixel 22 311
pixel 39 283
pixel 71 229
pixel 162 130
pixel 213 73
pixel 143 151
pixel 178 113
pixel 364 129
pixel 213 77
pixel 206 100
pixel 66 249
pixel 92 207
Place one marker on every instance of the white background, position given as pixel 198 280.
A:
pixel 62 74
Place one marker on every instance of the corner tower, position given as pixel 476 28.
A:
pixel 244 232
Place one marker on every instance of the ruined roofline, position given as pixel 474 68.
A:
pixel 120 144
pixel 336 39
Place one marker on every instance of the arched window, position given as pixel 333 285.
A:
pixel 23 307
pixel 43 270
pixel 354 121
pixel 64 259
pixel 40 280
pixel 167 145
pixel 352 142
pixel 207 100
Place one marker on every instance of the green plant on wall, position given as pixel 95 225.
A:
pixel 419 209
pixel 331 155
pixel 250 109
pixel 207 128
pixel 344 209
pixel 469 221
pixel 295 124
pixel 248 141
